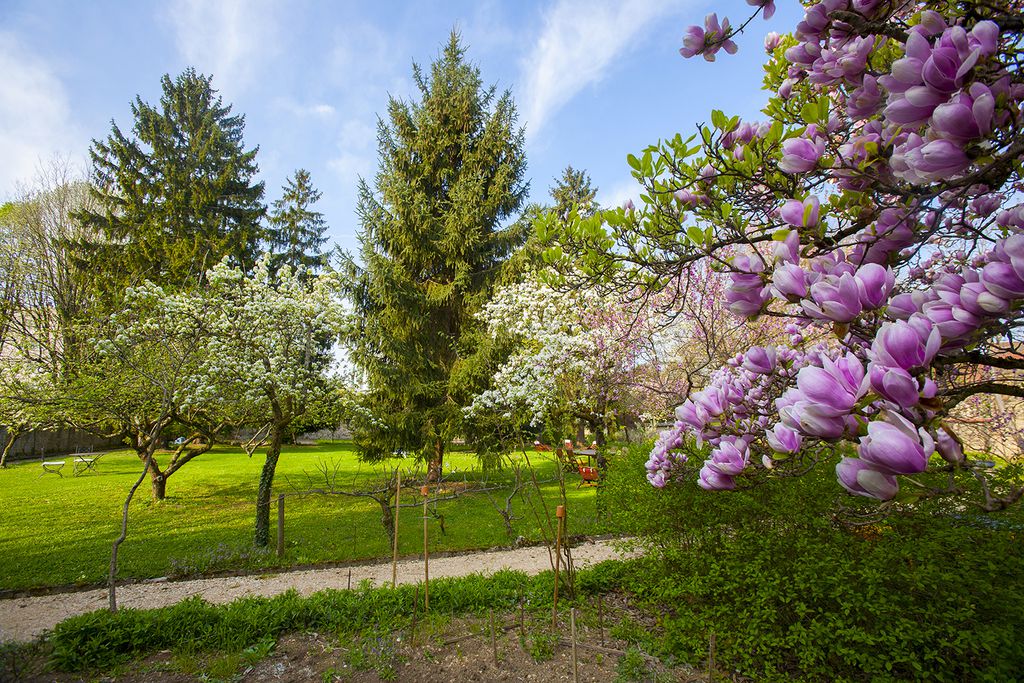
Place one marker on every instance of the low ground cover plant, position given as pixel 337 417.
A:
pixel 793 586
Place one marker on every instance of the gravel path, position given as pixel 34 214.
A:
pixel 22 619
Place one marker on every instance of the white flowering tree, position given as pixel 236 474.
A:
pixel 137 385
pixel 265 356
pixel 581 357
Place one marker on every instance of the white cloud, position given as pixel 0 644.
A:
pixel 579 41
pixel 489 28
pixel 365 62
pixel 365 65
pixel 35 115
pixel 357 153
pixel 618 193
pixel 320 110
pixel 226 38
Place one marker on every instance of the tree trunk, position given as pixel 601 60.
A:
pixel 581 432
pixel 266 487
pixel 387 517
pixel 434 469
pixel 157 479
pixel 112 574
pixel 12 435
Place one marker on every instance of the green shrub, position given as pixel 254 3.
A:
pixel 790 593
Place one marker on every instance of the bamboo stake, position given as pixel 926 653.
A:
pixel 522 621
pixel 350 578
pixel 426 553
pixel 572 627
pixel 494 640
pixel 600 616
pixel 412 629
pixel 711 657
pixel 394 553
pixel 559 515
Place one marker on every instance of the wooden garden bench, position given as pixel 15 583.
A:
pixel 589 476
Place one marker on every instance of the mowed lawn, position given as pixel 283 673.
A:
pixel 56 531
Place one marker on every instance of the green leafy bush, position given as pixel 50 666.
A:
pixel 791 593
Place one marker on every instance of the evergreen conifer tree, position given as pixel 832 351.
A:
pixel 296 234
pixel 433 242
pixel 573 189
pixel 178 194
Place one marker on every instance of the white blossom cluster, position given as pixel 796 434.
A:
pixel 257 337
pixel 570 355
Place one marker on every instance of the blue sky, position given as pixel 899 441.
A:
pixel 593 80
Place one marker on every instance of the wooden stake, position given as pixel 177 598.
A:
pixel 522 620
pixel 394 553
pixel 425 490
pixel 572 628
pixel 559 515
pixel 600 616
pixel 350 578
pixel 494 640
pixel 711 657
pixel 412 629
pixel 280 525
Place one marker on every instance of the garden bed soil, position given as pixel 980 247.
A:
pixel 445 655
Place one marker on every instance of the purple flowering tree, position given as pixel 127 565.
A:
pixel 877 210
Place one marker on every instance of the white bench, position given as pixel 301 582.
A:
pixel 53 466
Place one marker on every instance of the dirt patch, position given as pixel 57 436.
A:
pixel 440 650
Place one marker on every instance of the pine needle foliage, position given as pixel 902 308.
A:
pixel 177 194
pixel 434 238
pixel 297 232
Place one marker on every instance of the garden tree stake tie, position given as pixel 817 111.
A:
pixel 394 552
pixel 559 515
pixel 280 525
pixel 425 490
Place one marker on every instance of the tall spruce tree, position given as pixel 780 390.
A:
pixel 573 190
pixel 433 242
pixel 178 195
pixel 296 234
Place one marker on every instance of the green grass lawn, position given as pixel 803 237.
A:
pixel 57 531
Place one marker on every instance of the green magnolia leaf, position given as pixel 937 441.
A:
pixel 695 234
pixel 809 112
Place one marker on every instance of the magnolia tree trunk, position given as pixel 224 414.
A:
pixel 266 487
